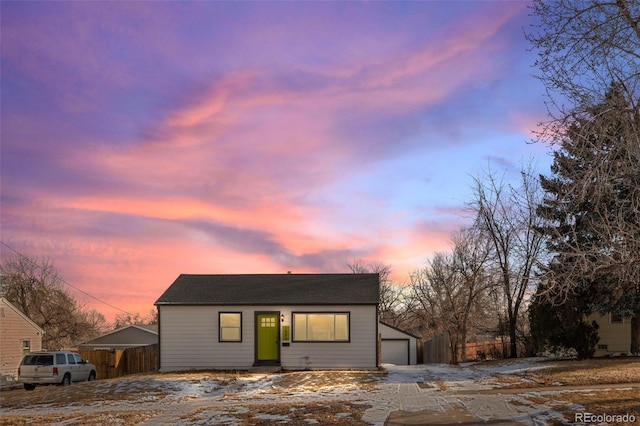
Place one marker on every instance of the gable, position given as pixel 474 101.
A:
pixel 5 304
pixel 390 332
pixel 266 289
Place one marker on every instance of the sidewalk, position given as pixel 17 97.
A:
pixel 494 407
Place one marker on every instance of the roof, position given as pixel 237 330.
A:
pixel 124 334
pixel 3 300
pixel 272 289
pixel 399 330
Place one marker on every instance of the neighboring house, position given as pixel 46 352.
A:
pixel 19 335
pixel 129 336
pixel 294 321
pixel 398 347
pixel 614 332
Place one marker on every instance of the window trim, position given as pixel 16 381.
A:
pixel 334 313
pixel 220 339
pixel 616 319
pixel 26 348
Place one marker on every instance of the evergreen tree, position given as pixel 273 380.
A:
pixel 592 208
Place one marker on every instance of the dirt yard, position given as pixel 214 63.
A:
pixel 551 392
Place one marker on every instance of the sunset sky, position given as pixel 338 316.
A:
pixel 141 140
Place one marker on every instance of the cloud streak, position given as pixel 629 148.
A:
pixel 141 141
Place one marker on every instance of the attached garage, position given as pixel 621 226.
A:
pixel 398 347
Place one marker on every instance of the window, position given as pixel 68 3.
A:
pixel 71 359
pixel 230 327
pixel 321 327
pixel 616 319
pixel 61 359
pixel 26 346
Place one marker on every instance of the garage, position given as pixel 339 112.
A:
pixel 397 346
pixel 395 352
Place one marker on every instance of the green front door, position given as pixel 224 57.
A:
pixel 267 337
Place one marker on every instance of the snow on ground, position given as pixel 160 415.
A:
pixel 193 398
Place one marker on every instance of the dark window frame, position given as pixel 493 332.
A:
pixel 307 313
pixel 220 339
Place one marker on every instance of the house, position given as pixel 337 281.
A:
pixel 398 347
pixel 292 321
pixel 129 336
pixel 19 335
pixel 615 334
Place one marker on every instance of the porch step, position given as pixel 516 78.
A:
pixel 265 369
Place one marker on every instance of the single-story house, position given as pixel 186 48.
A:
pixel 398 347
pixel 293 321
pixel 19 335
pixel 615 334
pixel 129 336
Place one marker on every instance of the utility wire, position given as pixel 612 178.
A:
pixel 63 281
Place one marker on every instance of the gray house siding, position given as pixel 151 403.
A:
pixel 189 339
pixel 190 333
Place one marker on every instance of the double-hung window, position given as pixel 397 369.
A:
pixel 320 326
pixel 230 327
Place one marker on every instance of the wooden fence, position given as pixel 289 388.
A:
pixel 438 350
pixel 118 363
pixel 481 351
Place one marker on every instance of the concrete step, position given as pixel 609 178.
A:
pixel 269 369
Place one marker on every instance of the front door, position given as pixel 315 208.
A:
pixel 267 338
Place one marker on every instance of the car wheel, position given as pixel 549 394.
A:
pixel 66 380
pixel 92 376
pixel 29 386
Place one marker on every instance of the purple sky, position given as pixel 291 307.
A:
pixel 141 140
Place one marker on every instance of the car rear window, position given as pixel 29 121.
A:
pixel 37 360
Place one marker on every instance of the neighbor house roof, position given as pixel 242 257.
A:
pixel 270 289
pixel 127 333
pixel 127 336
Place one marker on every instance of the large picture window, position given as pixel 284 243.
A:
pixel 230 327
pixel 320 327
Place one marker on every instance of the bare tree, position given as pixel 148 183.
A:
pixel 470 261
pixel 584 47
pixel 35 288
pixel 432 287
pixel 447 291
pixel 391 308
pixel 125 319
pixel 507 217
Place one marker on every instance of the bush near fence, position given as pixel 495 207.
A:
pixel 121 362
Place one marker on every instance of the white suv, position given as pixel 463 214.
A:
pixel 55 367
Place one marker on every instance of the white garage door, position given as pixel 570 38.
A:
pixel 395 352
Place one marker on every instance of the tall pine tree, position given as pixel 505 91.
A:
pixel 592 208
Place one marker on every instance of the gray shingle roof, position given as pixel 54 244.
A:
pixel 272 289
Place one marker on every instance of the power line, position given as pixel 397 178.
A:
pixel 63 281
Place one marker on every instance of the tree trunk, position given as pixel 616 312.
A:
pixel 512 337
pixel 635 334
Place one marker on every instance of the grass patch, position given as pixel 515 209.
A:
pixel 321 413
pixel 126 418
pixel 588 372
